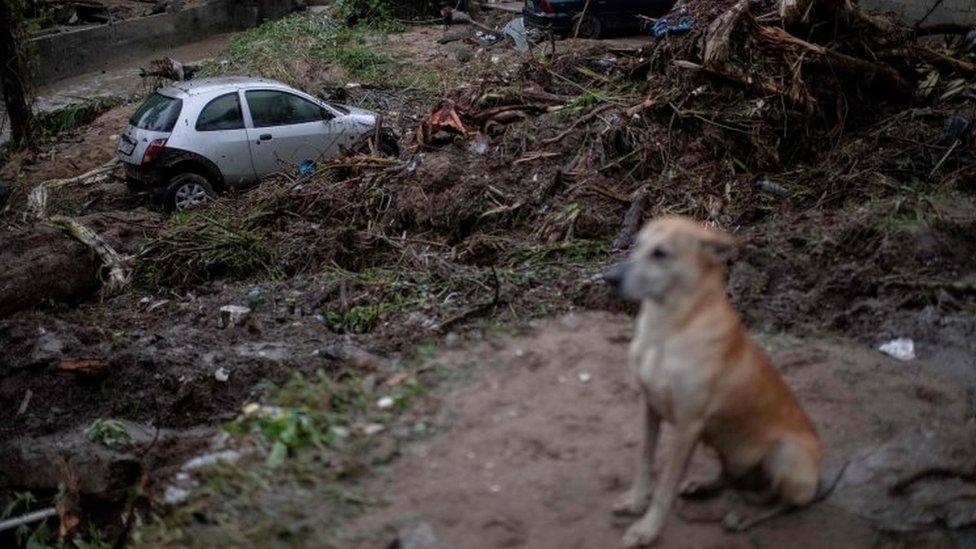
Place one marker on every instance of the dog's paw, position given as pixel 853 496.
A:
pixel 641 534
pixel 630 503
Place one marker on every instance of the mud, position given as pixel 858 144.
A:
pixel 532 450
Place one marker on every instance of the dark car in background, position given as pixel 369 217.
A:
pixel 602 17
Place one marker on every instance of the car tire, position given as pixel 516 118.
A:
pixel 187 191
pixel 589 26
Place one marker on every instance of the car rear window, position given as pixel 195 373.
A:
pixel 223 113
pixel 158 113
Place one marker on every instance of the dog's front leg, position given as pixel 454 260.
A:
pixel 634 501
pixel 648 528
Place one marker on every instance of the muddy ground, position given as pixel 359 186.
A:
pixel 408 279
pixel 533 449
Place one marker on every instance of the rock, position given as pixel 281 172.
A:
pixel 48 348
pixel 36 464
pixel 233 315
pixel 917 480
pixel 43 265
pixel 272 351
pixel 462 55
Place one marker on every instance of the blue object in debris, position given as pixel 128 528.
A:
pixel 673 24
pixel 307 167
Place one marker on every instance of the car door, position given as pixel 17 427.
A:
pixel 286 129
pixel 223 139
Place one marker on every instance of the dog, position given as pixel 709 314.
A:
pixel 699 370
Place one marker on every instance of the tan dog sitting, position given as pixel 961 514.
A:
pixel 700 371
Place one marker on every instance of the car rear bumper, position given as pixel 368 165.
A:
pixel 559 23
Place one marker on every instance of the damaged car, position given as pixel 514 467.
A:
pixel 594 19
pixel 192 140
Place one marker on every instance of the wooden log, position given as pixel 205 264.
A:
pixel 632 220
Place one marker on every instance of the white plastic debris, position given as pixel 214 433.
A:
pixel 175 495
pixel 371 429
pixel 585 377
pixel 206 460
pixel 221 375
pixel 384 403
pixel 902 348
pixel 233 315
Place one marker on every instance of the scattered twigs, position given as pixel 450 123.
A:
pixel 931 57
pixel 865 70
pixel 476 310
pixel 28 518
pixel 581 120
pixel 579 21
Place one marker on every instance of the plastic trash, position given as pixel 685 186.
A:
pixel 306 167
pixel 771 187
pixel 956 128
pixel 515 29
pixel 486 38
pixel 673 24
pixel 902 348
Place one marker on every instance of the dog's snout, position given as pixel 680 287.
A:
pixel 615 276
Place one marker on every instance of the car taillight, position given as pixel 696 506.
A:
pixel 156 146
pixel 546 6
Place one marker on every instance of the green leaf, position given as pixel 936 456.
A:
pixel 279 452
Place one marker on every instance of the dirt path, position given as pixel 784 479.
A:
pixel 532 451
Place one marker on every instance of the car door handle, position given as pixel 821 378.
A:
pixel 264 136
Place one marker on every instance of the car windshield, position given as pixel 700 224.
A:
pixel 157 114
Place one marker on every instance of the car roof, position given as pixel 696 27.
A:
pixel 206 86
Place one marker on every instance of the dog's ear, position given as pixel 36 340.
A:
pixel 719 247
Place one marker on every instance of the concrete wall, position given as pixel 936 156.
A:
pixel 950 11
pixel 98 48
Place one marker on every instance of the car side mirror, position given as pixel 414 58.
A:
pixel 326 114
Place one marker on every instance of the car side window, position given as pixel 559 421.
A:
pixel 275 108
pixel 223 113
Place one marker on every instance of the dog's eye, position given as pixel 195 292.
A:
pixel 659 253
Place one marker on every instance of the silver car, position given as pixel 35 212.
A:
pixel 195 138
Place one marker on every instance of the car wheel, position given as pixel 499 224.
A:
pixel 586 26
pixel 187 191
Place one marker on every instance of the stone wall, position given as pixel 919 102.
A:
pixel 81 51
